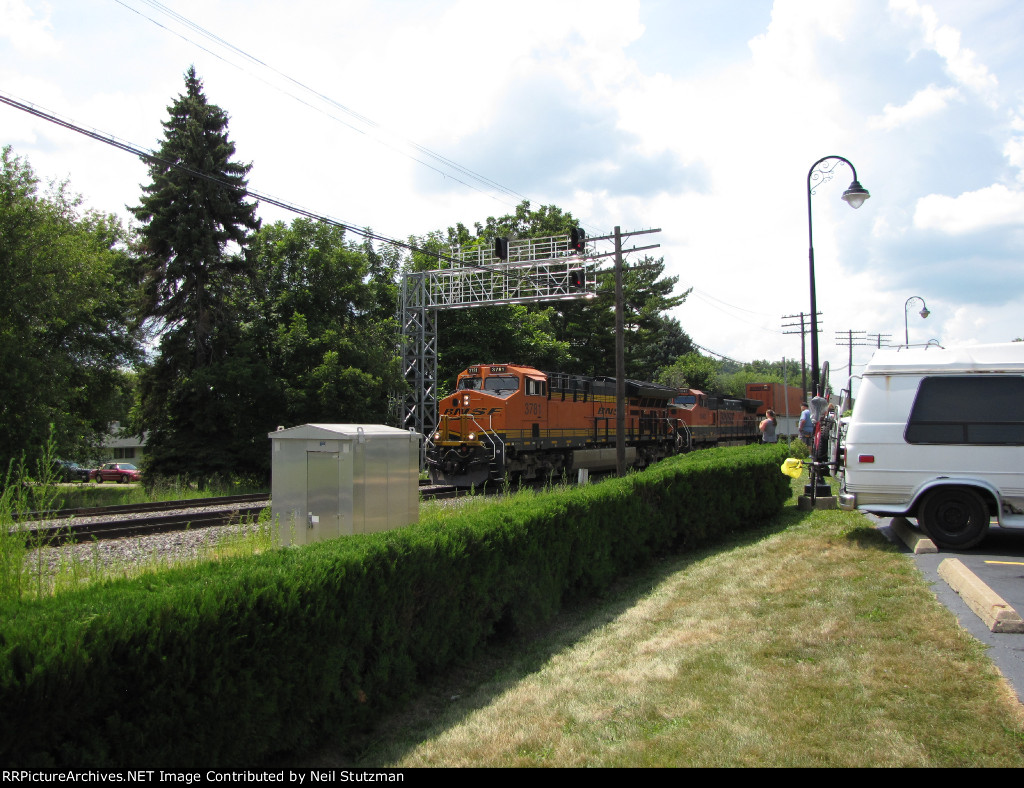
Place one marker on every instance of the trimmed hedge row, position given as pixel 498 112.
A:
pixel 232 662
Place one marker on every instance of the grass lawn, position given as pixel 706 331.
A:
pixel 813 642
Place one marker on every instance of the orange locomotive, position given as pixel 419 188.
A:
pixel 507 419
pixel 711 420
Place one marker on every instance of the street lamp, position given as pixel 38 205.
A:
pixel 822 172
pixel 906 316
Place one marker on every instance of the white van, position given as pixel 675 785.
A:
pixel 938 434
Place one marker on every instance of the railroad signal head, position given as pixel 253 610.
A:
pixel 577 239
pixel 576 279
pixel 501 248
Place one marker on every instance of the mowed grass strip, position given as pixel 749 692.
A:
pixel 812 643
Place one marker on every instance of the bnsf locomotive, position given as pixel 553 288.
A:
pixel 511 420
pixel 709 420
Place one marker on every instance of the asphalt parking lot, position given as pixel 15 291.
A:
pixel 999 563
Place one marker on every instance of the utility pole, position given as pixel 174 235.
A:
pixel 879 340
pixel 620 344
pixel 620 362
pixel 617 254
pixel 853 339
pixel 803 331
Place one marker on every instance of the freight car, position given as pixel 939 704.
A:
pixel 784 400
pixel 511 420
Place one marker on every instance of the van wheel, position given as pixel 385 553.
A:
pixel 956 517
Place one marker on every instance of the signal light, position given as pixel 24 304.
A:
pixel 577 239
pixel 501 248
pixel 576 278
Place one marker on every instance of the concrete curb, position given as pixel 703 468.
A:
pixel 995 613
pixel 911 537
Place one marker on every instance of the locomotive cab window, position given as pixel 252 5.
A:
pixel 978 410
pixel 470 383
pixel 501 385
pixel 685 400
pixel 536 387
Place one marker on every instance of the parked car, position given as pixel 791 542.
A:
pixel 68 471
pixel 120 472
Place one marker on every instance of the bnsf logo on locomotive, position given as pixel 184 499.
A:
pixel 472 411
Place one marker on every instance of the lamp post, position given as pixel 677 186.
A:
pixel 906 316
pixel 822 172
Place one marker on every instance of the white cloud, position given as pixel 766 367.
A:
pixel 28 35
pixel 1014 152
pixel 925 103
pixel 992 206
pixel 961 63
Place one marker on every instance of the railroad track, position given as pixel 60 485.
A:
pixel 121 521
pixel 69 530
pixel 136 508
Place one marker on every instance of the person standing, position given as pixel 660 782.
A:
pixel 768 427
pixel 806 425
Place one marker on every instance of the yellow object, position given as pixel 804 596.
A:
pixel 793 467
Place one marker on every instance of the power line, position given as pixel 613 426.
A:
pixel 149 156
pixel 715 353
pixel 702 296
pixel 487 184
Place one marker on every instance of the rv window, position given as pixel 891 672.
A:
pixel 976 409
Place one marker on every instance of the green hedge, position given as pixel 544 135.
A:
pixel 233 662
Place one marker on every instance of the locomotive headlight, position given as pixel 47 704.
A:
pixel 465 400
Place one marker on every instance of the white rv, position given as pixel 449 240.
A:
pixel 938 435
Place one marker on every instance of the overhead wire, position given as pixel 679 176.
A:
pixel 701 296
pixel 485 184
pixel 150 156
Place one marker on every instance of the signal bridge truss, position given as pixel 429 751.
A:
pixel 531 270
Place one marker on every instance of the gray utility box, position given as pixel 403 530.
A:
pixel 331 480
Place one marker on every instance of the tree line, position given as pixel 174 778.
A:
pixel 204 329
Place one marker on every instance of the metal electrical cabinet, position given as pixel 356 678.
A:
pixel 331 480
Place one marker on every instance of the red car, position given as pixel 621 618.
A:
pixel 120 472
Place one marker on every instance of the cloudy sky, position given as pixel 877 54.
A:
pixel 699 117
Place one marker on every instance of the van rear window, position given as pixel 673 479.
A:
pixel 976 409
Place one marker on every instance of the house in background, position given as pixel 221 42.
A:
pixel 123 446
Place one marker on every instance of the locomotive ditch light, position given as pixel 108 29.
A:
pixel 471 436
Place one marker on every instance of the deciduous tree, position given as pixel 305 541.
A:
pixel 66 349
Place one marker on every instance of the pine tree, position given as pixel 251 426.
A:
pixel 195 223
pixel 191 211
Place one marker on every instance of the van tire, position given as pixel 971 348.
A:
pixel 954 517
